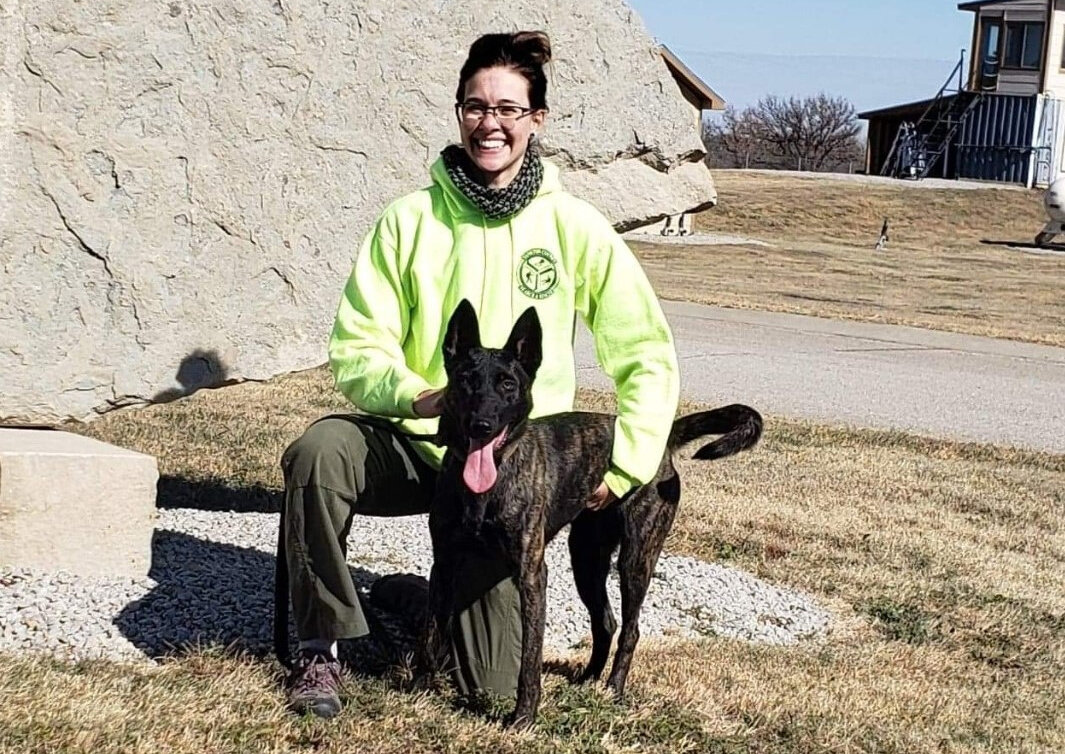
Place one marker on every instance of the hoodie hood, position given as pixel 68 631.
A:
pixel 460 207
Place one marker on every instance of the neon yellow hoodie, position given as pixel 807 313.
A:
pixel 432 248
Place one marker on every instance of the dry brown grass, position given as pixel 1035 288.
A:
pixel 936 271
pixel 943 560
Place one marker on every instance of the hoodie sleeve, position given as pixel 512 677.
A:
pixel 634 346
pixel 372 322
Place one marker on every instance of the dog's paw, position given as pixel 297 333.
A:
pixel 433 681
pixel 517 721
pixel 586 676
pixel 617 689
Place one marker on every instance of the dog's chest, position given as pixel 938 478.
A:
pixel 504 517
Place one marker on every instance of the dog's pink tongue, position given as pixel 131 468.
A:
pixel 480 470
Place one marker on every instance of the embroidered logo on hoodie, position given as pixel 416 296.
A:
pixel 537 273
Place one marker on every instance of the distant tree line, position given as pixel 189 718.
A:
pixel 818 133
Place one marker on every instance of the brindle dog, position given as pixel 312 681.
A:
pixel 508 484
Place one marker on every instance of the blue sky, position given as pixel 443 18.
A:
pixel 873 53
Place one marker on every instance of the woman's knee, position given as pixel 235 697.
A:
pixel 331 453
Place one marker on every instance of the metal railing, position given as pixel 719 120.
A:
pixel 914 151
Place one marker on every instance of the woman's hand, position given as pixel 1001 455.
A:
pixel 429 404
pixel 601 498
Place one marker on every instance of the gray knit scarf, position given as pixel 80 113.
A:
pixel 495 204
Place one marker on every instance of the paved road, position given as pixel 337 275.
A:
pixel 884 376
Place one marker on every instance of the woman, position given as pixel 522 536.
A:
pixel 495 227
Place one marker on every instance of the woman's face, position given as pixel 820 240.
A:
pixel 496 146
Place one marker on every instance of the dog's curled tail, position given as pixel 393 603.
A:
pixel 739 426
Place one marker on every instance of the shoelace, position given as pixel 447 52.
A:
pixel 317 671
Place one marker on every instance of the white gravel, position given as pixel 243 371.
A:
pixel 211 583
pixel 697 239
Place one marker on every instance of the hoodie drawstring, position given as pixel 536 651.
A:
pixel 484 262
pixel 511 282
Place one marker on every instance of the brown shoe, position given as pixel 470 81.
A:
pixel 314 684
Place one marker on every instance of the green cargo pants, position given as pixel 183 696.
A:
pixel 345 465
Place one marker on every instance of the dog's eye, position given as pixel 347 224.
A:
pixel 508 383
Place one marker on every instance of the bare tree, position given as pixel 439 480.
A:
pixel 813 133
pixel 849 158
pixel 809 130
pixel 736 139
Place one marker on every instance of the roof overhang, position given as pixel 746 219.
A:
pixel 899 111
pixel 978 4
pixel 695 90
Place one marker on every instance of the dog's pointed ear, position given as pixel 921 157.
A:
pixel 526 341
pixel 462 333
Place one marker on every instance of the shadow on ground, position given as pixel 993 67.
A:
pixel 206 495
pixel 1046 248
pixel 569 669
pixel 216 594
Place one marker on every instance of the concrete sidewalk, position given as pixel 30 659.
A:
pixel 883 376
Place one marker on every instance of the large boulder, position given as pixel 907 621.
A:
pixel 183 185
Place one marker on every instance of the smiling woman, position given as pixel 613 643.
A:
pixel 496 228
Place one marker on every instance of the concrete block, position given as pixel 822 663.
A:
pixel 76 504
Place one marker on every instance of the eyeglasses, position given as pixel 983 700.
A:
pixel 473 113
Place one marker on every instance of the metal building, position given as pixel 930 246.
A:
pixel 1003 122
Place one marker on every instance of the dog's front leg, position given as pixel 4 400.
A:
pixel 432 647
pixel 532 588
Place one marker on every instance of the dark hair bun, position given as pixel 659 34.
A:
pixel 533 46
pixel 524 51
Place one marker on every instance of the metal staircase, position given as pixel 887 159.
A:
pixel 920 145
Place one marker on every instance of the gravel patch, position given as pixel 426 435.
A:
pixel 211 584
